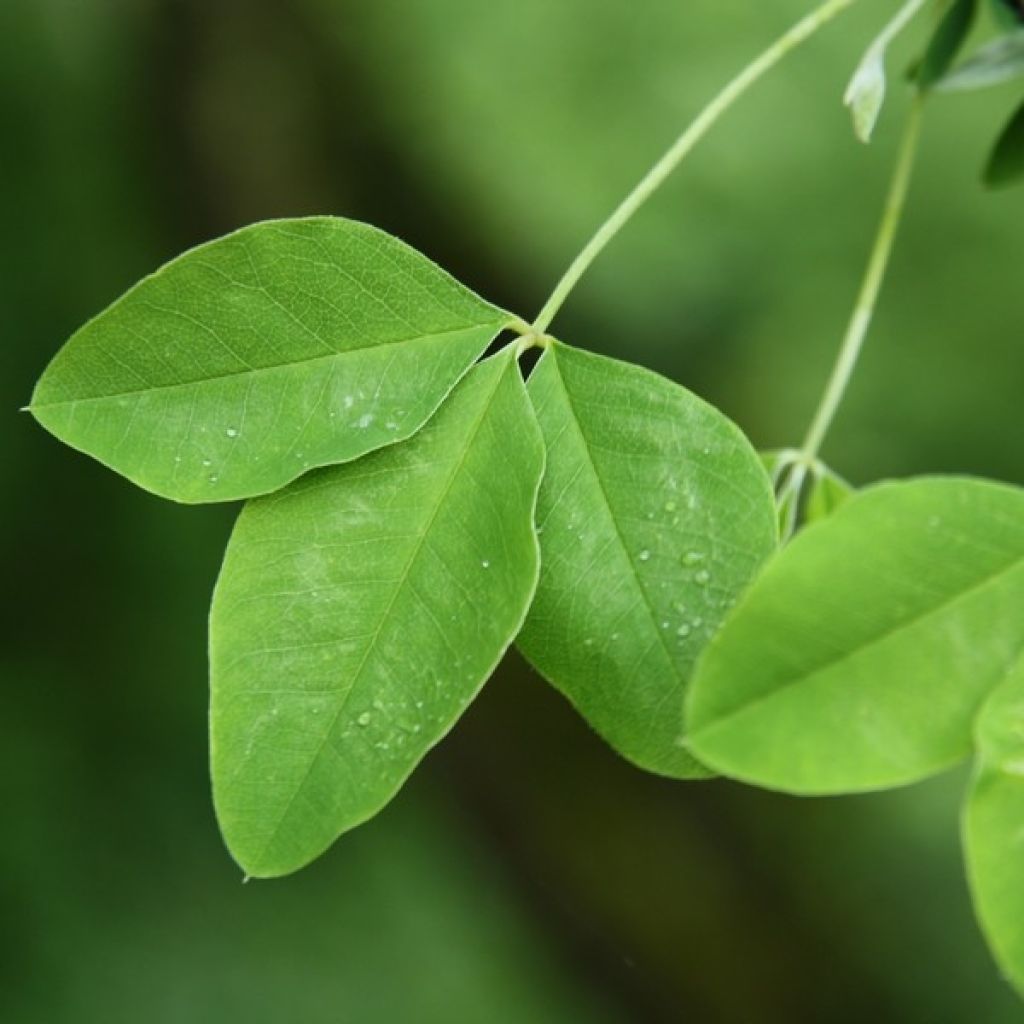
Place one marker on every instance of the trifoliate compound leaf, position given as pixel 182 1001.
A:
pixel 994 824
pixel 358 613
pixel 862 653
pixel 1006 164
pixel 284 346
pixel 998 61
pixel 654 514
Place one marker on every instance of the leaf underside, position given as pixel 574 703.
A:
pixel 245 362
pixel 993 825
pixel 357 614
pixel 859 658
pixel 653 514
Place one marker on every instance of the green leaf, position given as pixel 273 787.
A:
pixel 249 360
pixel 866 92
pixel 828 492
pixel 1006 164
pixel 654 514
pixel 860 656
pixel 1007 13
pixel 999 61
pixel 994 825
pixel 359 612
pixel 946 41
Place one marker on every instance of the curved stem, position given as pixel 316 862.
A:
pixel 864 309
pixel 801 31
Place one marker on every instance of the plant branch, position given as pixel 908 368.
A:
pixel 800 32
pixel 867 299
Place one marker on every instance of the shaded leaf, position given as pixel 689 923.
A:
pixel 284 346
pixel 860 656
pixel 994 825
pixel 358 613
pixel 946 41
pixel 654 514
pixel 999 61
pixel 827 493
pixel 1008 13
pixel 1006 163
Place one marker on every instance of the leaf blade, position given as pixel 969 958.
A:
pixel 824 681
pixel 1006 162
pixel 343 648
pixel 247 361
pixel 654 512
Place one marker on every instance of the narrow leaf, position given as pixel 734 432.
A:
pixel 861 655
pixel 245 362
pixel 866 92
pixel 654 513
pixel 994 825
pixel 360 611
pixel 946 41
pixel 998 61
pixel 1006 164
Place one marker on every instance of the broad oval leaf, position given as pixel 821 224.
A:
pixel 287 345
pixel 654 513
pixel 859 658
pixel 358 613
pixel 993 825
pixel 1006 163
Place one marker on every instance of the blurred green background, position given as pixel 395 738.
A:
pixel 526 874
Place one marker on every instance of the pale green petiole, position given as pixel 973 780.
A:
pixel 800 32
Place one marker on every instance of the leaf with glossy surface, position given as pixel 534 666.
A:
pixel 861 655
pixel 654 513
pixel 1006 164
pixel 282 347
pixel 358 613
pixel 994 825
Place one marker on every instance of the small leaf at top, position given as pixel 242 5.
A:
pixel 284 346
pixel 654 514
pixel 866 92
pixel 999 61
pixel 359 612
pixel 946 41
pixel 1006 164
pixel 860 656
pixel 827 493
pixel 993 826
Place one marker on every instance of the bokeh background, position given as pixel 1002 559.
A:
pixel 526 874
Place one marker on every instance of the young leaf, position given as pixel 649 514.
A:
pixel 946 41
pixel 998 61
pixel 860 656
pixel 1006 164
pixel 284 346
pixel 654 513
pixel 359 612
pixel 866 92
pixel 993 825
pixel 828 492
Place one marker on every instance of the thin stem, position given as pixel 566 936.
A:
pixel 803 30
pixel 867 299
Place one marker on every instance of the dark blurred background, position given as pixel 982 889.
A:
pixel 526 874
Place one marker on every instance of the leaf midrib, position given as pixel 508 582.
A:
pixel 375 636
pixel 251 371
pixel 976 588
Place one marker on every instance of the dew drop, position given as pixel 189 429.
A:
pixel 692 558
pixel 486 564
pixel 231 432
pixel 645 555
pixel 683 630
pixel 588 642
pixel 670 506
pixel 214 478
pixel 349 400
pixel 365 420
pixel 697 623
pixel 702 577
pixel 364 719
pixel 207 462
